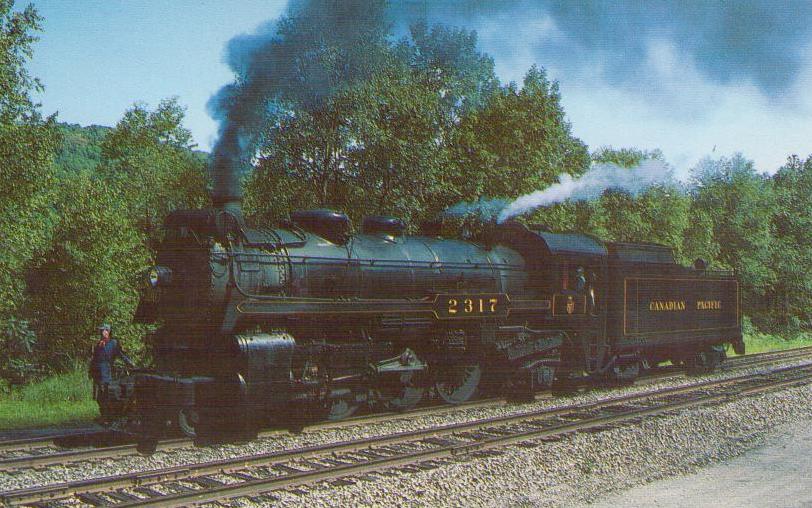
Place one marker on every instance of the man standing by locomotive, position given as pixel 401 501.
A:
pixel 104 353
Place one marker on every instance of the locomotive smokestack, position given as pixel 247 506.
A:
pixel 227 191
pixel 227 173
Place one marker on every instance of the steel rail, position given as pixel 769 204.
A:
pixel 30 443
pixel 46 440
pixel 224 466
pixel 72 456
pixel 263 486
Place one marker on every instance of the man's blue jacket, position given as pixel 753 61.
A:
pixel 101 364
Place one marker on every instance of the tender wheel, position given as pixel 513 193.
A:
pixel 625 374
pixel 457 384
pixel 188 420
pixel 705 361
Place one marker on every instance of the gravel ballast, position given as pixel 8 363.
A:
pixel 580 468
pixel 537 473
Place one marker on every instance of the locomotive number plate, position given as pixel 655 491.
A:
pixel 455 306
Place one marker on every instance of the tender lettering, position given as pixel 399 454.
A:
pixel 666 305
pixel 708 305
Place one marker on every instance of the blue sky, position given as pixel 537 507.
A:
pixel 97 57
pixel 705 78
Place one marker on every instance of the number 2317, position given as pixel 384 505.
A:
pixel 472 306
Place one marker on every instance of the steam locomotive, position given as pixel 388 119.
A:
pixel 262 326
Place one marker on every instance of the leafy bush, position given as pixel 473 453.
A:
pixel 90 274
pixel 17 341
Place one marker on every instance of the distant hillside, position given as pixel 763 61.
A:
pixel 81 147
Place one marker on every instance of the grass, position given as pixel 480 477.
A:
pixel 758 342
pixel 58 400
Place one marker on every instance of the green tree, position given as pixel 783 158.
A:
pixel 699 240
pixel 378 141
pixel 519 142
pixel 148 158
pixel 17 364
pixel 16 40
pixel 313 55
pixel 80 149
pixel 306 166
pixel 626 157
pixel 448 60
pixel 370 149
pixel 285 103
pixel 90 273
pixel 27 146
pixel 741 204
pixel 659 214
pixel 394 127
pixel 107 221
pixel 792 246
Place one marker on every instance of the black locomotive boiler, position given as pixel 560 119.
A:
pixel 269 325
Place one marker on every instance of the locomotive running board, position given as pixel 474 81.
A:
pixel 429 307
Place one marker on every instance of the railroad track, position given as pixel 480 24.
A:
pixel 733 363
pixel 44 452
pixel 54 440
pixel 47 452
pixel 347 461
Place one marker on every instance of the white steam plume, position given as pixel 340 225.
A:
pixel 591 185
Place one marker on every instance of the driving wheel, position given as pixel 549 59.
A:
pixel 458 383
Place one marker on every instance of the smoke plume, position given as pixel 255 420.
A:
pixel 483 209
pixel 320 45
pixel 591 185
pixel 298 60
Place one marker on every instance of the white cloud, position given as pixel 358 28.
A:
pixel 512 42
pixel 672 106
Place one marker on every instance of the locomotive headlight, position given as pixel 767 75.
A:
pixel 159 276
pixel 153 278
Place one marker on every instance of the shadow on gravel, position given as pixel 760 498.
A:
pixel 98 439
